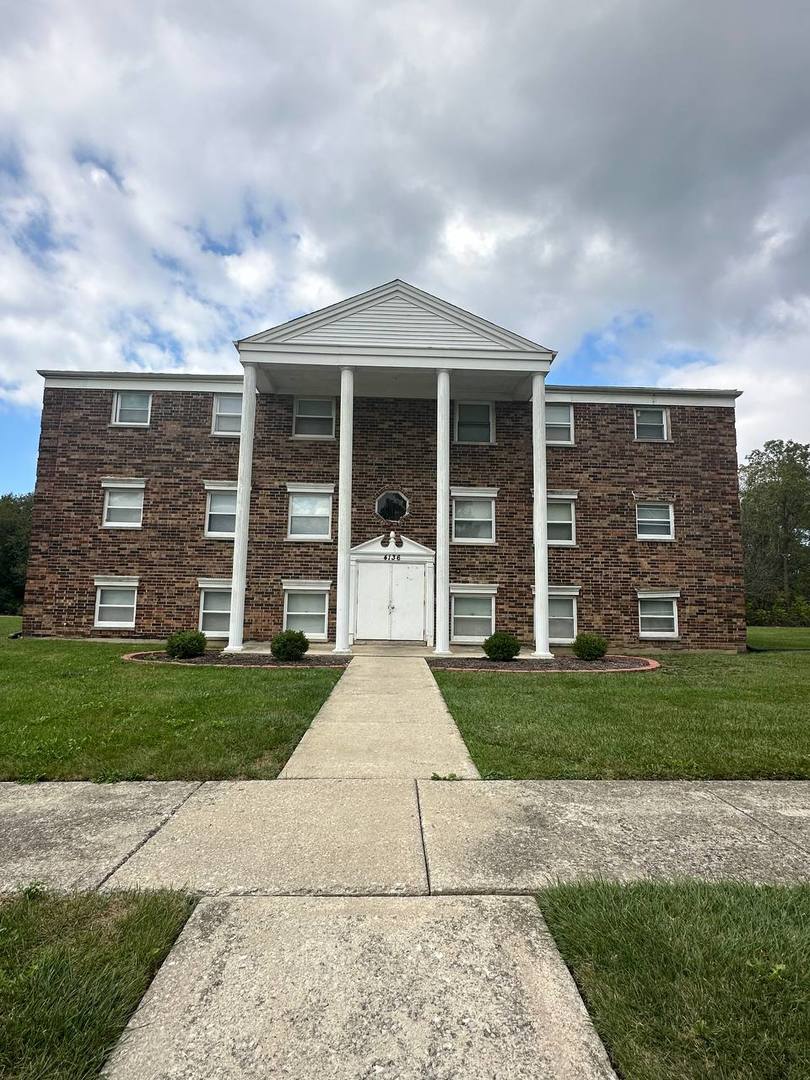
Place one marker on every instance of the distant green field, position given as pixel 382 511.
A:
pixel 779 637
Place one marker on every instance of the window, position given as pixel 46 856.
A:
pixel 562 614
pixel 391 505
pixel 658 614
pixel 116 599
pixel 314 418
pixel 652 424
pixel 220 508
pixel 131 408
pixel 655 521
pixel 560 424
pixel 562 526
pixel 310 516
pixel 473 515
pixel 472 612
pixel 215 606
pixel 475 422
pixel 306 607
pixel 227 415
pixel 123 503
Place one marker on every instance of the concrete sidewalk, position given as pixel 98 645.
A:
pixel 385 718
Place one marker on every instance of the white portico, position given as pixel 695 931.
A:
pixel 394 341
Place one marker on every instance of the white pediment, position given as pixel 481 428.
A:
pixel 386 544
pixel 395 316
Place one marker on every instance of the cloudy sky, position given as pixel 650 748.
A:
pixel 625 181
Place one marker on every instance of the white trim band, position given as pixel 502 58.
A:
pixel 108 581
pixel 311 489
pixel 472 589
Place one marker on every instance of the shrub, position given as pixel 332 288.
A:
pixel 186 643
pixel 289 645
pixel 590 646
pixel 501 646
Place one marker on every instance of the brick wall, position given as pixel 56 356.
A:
pixel 394 448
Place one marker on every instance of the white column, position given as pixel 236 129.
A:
pixel 443 512
pixel 540 517
pixel 344 537
pixel 236 627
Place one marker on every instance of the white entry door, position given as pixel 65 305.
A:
pixel 391 601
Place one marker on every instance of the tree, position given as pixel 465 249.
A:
pixel 775 486
pixel 15 530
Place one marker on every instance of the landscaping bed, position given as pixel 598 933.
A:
pixel 215 658
pixel 548 667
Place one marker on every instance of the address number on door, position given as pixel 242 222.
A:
pixel 391 558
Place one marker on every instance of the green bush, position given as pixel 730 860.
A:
pixel 289 645
pixel 590 646
pixel 794 613
pixel 186 643
pixel 501 646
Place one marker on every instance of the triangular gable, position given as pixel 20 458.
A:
pixel 384 543
pixel 395 315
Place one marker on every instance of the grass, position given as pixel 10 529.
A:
pixel 690 981
pixel 72 970
pixel 779 637
pixel 701 716
pixel 73 710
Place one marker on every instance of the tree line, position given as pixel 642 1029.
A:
pixel 775 503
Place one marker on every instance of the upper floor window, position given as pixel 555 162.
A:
pixel 652 424
pixel 132 408
pixel 391 505
pixel 227 414
pixel 310 513
pixel 220 509
pixel 473 515
pixel 562 521
pixel 123 503
pixel 314 418
pixel 655 521
pixel 475 422
pixel 559 424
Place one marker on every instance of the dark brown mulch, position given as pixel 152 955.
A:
pixel 558 664
pixel 214 658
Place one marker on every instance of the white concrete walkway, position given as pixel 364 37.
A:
pixel 385 718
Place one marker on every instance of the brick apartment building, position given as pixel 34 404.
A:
pixel 388 468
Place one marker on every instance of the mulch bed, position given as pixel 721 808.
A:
pixel 548 667
pixel 257 660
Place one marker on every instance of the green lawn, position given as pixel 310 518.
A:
pixel 73 710
pixel 691 981
pixel 72 970
pixel 702 716
pixel 779 637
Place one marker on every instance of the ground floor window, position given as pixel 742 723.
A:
pixel 472 613
pixel 215 610
pixel 116 600
pixel 562 617
pixel 306 608
pixel 658 615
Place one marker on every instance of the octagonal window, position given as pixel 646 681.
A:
pixel 391 505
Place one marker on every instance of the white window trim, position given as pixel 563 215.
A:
pixel 212 585
pixel 129 423
pixel 101 582
pixel 212 487
pixel 645 438
pixel 566 497
pixel 483 493
pixel 323 587
pixel 488 442
pixel 215 413
pixel 659 594
pixel 310 489
pixel 568 592
pixel 314 397
pixel 110 483
pixel 657 538
pixel 562 442
pixel 472 589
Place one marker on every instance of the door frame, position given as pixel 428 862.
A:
pixel 384 549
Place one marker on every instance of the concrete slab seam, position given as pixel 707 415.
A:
pixel 422 838
pixel 149 835
pixel 764 824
